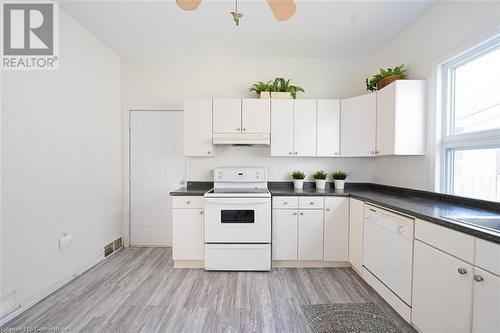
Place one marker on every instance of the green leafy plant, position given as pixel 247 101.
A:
pixel 372 84
pixel 277 85
pixel 339 175
pixel 260 87
pixel 297 174
pixel 320 175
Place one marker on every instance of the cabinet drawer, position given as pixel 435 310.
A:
pixel 285 202
pixel 311 202
pixel 453 242
pixel 187 202
pixel 488 256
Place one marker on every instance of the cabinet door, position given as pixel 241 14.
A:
pixel 188 234
pixel 486 306
pixel 198 127
pixel 281 127
pixel 328 126
pixel 284 234
pixel 227 115
pixel 358 118
pixel 386 117
pixel 442 291
pixel 256 115
pixel 310 233
pixel 336 229
pixel 356 223
pixel 305 127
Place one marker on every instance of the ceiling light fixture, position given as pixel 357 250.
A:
pixel 282 9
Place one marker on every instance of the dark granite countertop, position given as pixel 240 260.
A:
pixel 428 206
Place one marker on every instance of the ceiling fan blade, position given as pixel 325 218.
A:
pixel 188 4
pixel 282 9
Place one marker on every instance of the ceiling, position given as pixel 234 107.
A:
pixel 318 29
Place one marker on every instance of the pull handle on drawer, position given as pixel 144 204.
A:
pixel 462 271
pixel 478 278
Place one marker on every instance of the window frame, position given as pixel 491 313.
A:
pixel 451 142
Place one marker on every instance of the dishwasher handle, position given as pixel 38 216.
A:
pixel 392 225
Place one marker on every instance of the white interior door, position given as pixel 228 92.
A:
pixel 157 166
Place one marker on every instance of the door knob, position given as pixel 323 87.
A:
pixel 311 203
pixel 295 213
pixel 244 129
pixel 188 202
pixel 328 209
pixel 301 213
pixel 478 278
pixel 201 213
pixel 285 203
pixel 209 152
pixel 462 271
pixel 238 129
pixel 289 153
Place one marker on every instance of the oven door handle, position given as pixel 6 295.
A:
pixel 238 201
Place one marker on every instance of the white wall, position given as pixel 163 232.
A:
pixel 61 164
pixel 168 81
pixel 443 30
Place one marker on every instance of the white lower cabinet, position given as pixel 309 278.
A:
pixel 310 235
pixel 284 234
pixel 486 306
pixel 442 291
pixel 356 225
pixel 336 229
pixel 188 234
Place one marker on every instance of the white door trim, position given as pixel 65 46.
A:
pixel 126 161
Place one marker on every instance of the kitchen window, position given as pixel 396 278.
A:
pixel 471 123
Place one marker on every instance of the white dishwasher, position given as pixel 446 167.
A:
pixel 388 256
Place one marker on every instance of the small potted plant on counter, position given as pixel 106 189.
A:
pixel 320 178
pixel 386 77
pixel 339 179
pixel 298 179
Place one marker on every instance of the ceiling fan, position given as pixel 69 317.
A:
pixel 282 9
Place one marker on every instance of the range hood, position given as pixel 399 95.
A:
pixel 241 139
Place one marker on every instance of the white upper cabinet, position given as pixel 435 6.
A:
pixel 256 116
pixel 358 123
pixel 227 115
pixel 401 118
pixel 281 127
pixel 305 127
pixel 198 127
pixel 328 127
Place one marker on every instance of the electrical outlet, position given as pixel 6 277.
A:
pixel 65 241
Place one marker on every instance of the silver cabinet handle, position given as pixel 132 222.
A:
pixel 285 203
pixel 182 182
pixel 311 203
pixel 243 129
pixel 376 151
pixel 336 153
pixel 462 271
pixel 328 209
pixel 295 213
pixel 289 153
pixel 209 152
pixel 478 278
pixel 301 213
pixel 188 202
pixel 201 213
pixel 372 152
pixel 295 153
pixel 238 129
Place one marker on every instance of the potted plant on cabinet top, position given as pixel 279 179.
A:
pixel 339 179
pixel 386 77
pixel 262 89
pixel 278 88
pixel 320 177
pixel 298 179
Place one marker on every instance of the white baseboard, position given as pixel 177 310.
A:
pixel 49 290
pixel 189 264
pixel 309 263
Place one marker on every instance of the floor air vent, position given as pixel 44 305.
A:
pixel 113 246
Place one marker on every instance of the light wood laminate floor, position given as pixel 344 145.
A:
pixel 138 290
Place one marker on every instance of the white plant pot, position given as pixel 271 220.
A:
pixel 265 95
pixel 320 184
pixel 298 184
pixel 281 95
pixel 339 184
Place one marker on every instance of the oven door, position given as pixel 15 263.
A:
pixel 237 220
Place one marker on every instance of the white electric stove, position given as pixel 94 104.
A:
pixel 238 221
